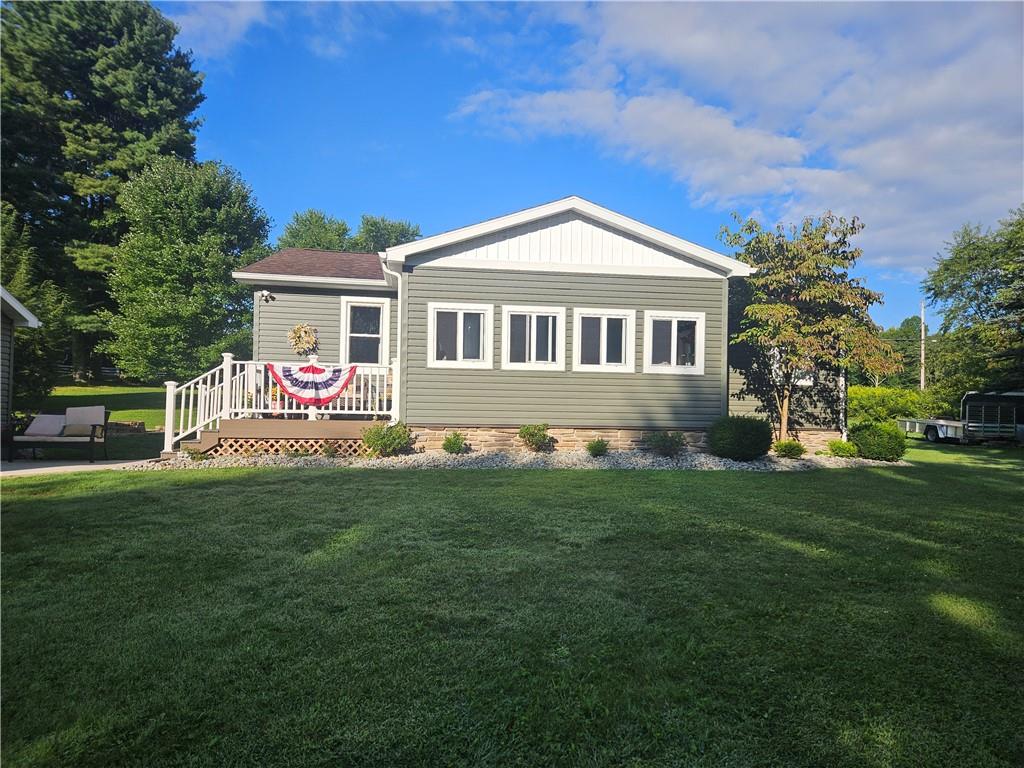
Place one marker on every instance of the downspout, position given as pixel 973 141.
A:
pixel 396 384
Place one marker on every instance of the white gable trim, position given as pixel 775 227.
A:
pixel 17 311
pixel 731 267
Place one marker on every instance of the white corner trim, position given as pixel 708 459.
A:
pixel 558 312
pixel 732 267
pixel 486 334
pixel 305 281
pixel 679 370
pixel 385 325
pixel 629 330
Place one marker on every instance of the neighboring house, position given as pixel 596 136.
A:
pixel 13 314
pixel 567 314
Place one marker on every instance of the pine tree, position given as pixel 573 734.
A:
pixel 92 93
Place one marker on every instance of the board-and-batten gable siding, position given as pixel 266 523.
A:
pixel 565 240
pixel 496 397
pixel 321 308
pixel 6 360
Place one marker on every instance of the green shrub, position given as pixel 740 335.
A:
pixel 877 404
pixel 329 449
pixel 536 437
pixel 882 442
pixel 383 439
pixel 842 449
pixel 665 443
pixel 454 442
pixel 743 438
pixel 195 455
pixel 789 449
pixel 597 447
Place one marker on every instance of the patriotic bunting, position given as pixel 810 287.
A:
pixel 311 384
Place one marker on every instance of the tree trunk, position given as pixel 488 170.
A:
pixel 784 415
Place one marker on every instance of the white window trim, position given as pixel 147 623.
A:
pixel 697 369
pixel 506 329
pixel 486 334
pixel 385 326
pixel 629 364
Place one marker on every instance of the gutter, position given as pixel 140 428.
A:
pixel 396 385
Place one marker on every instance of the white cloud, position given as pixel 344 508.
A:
pixel 910 116
pixel 212 29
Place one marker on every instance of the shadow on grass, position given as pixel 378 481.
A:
pixel 498 617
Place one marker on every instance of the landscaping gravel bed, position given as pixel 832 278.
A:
pixel 518 460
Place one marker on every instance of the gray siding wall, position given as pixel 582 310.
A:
pixel 452 397
pixel 6 358
pixel 320 307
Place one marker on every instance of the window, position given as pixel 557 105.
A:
pixel 533 338
pixel 364 330
pixel 459 335
pixel 603 340
pixel 674 342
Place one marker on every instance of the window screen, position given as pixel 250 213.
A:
pixel 364 334
pixel 472 324
pixel 661 342
pixel 446 335
pixel 590 340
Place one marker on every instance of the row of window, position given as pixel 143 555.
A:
pixel 533 338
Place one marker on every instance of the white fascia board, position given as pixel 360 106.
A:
pixel 22 317
pixel 304 281
pixel 732 267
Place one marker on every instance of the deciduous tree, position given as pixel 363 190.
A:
pixel 379 232
pixel 315 229
pixel 979 287
pixel 806 313
pixel 178 308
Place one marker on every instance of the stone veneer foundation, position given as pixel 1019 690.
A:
pixel 430 438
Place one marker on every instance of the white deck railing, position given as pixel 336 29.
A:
pixel 245 389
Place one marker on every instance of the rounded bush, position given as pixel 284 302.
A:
pixel 881 442
pixel 597 447
pixel 536 437
pixel 789 449
pixel 454 442
pixel 842 449
pixel 383 439
pixel 742 438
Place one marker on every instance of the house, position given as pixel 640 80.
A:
pixel 13 314
pixel 566 313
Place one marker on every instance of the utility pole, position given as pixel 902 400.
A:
pixel 922 345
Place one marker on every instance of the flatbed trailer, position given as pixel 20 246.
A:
pixel 983 416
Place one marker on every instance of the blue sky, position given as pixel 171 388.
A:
pixel 907 115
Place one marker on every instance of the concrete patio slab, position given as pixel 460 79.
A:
pixel 10 469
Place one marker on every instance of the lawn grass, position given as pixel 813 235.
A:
pixel 128 402
pixel 863 617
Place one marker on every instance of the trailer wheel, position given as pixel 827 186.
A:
pixel 931 434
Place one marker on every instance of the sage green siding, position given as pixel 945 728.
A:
pixel 6 359
pixel 321 308
pixel 496 397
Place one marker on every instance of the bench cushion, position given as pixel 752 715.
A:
pixel 45 424
pixel 90 414
pixel 78 430
pixel 52 439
